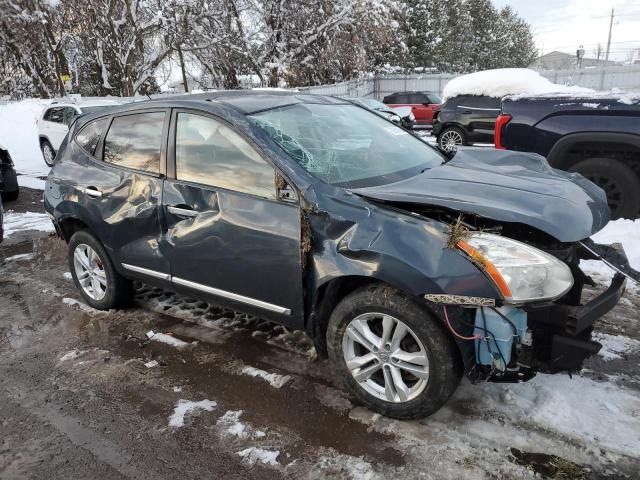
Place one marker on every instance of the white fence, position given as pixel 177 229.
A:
pixel 606 78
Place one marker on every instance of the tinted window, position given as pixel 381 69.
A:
pixel 477 101
pixel 433 98
pixel 209 152
pixel 419 98
pixel 402 99
pixel 133 141
pixel 55 115
pixel 90 135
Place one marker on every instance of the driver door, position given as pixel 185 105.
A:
pixel 229 237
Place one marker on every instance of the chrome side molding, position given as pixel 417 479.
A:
pixel 210 290
pixel 146 271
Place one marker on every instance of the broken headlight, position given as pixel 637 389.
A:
pixel 522 273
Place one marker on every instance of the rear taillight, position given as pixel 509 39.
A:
pixel 497 134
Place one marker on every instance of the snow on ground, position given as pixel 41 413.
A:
pixel 169 340
pixel 273 379
pixel 19 258
pixel 506 81
pixel 31 182
pixel 19 222
pixel 184 407
pixel 72 355
pixel 83 306
pixel 67 276
pixel 19 134
pixel 231 424
pixel 622 231
pixel 252 455
pixel 615 346
pixel 590 412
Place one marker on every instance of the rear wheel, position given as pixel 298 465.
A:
pixel 48 153
pixel 93 273
pixel 619 182
pixel 392 353
pixel 451 138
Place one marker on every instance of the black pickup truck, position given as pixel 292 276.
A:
pixel 596 136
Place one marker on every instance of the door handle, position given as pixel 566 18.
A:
pixel 182 212
pixel 93 192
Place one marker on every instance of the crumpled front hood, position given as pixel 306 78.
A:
pixel 506 186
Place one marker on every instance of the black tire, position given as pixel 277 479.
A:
pixel 444 364
pixel 619 181
pixel 119 290
pixel 48 153
pixel 11 196
pixel 451 131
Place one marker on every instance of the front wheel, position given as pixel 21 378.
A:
pixel 93 273
pixel 392 353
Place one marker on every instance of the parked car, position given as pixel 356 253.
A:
pixel 54 122
pixel 406 269
pixel 597 135
pixel 402 116
pixel 465 120
pixel 423 104
pixel 9 188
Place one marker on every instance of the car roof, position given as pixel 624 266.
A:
pixel 84 103
pixel 251 101
pixel 410 91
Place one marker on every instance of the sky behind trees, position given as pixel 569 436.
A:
pixel 565 24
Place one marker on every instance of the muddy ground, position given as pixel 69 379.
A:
pixel 78 401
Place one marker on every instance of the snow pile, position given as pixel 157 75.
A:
pixel 347 466
pixel 273 379
pixel 598 413
pixel 615 346
pixel 622 231
pixel 19 222
pixel 506 81
pixel 19 134
pixel 254 454
pixel 72 355
pixel 183 407
pixel 83 306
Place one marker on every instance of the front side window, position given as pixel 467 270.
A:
pixel 133 141
pixel 345 145
pixel 69 114
pixel 89 137
pixel 211 153
pixel 433 98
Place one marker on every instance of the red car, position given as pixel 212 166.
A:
pixel 423 104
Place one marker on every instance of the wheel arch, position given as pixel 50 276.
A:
pixel 70 225
pixel 559 157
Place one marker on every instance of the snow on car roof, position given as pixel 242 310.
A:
pixel 507 81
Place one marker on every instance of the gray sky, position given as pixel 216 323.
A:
pixel 564 24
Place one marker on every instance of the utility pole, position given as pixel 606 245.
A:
pixel 606 57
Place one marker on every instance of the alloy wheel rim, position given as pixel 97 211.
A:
pixel 451 140
pixel 48 154
pixel 90 272
pixel 385 357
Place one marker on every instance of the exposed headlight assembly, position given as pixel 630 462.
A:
pixel 522 273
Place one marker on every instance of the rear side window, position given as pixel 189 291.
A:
pixel 134 141
pixel 55 114
pixel 481 102
pixel 211 153
pixel 90 135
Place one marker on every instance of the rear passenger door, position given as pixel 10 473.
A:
pixel 479 113
pixel 121 187
pixel 228 235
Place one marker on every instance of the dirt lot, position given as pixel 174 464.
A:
pixel 79 398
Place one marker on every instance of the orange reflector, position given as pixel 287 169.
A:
pixel 484 262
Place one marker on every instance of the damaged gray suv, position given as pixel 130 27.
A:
pixel 407 269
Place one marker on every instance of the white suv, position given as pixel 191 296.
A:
pixel 54 122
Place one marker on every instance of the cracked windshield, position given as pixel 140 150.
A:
pixel 347 146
